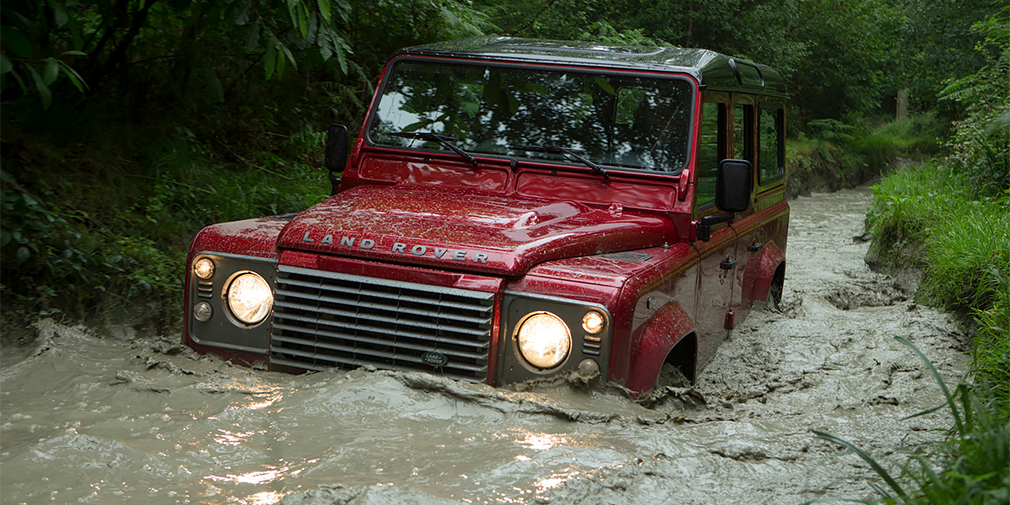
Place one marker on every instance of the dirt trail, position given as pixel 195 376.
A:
pixel 125 418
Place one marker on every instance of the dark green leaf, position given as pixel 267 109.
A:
pixel 51 72
pixel 16 41
pixel 324 9
pixel 325 49
pixel 43 89
pixel 5 64
pixel 242 13
pixel 74 77
pixel 59 14
pixel 270 59
pixel 23 254
pixel 253 37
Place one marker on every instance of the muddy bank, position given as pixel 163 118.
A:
pixel 100 417
pixel 821 170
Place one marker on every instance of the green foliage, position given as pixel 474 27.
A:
pixel 980 145
pixel 934 41
pixel 911 138
pixel 969 254
pixel 992 351
pixel 976 457
pixel 966 241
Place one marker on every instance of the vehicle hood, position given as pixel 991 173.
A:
pixel 463 229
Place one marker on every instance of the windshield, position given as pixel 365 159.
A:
pixel 620 120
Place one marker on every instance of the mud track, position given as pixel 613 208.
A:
pixel 116 417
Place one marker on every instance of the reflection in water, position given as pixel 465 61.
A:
pixel 539 441
pixel 264 498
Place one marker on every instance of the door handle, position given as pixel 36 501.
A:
pixel 755 247
pixel 728 264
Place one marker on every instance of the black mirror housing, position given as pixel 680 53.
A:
pixel 733 184
pixel 335 159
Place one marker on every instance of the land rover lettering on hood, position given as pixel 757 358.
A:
pixel 513 209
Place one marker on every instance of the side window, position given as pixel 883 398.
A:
pixel 743 132
pixel 771 125
pixel 711 152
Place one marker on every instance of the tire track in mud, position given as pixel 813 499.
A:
pixel 120 418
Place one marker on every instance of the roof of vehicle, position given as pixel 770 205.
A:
pixel 714 71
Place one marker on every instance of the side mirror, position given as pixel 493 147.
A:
pixel 335 159
pixel 733 184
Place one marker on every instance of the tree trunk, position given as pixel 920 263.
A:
pixel 902 104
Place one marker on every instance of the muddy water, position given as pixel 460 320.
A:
pixel 124 418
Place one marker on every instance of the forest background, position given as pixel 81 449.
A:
pixel 128 125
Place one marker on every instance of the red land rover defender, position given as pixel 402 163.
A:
pixel 513 209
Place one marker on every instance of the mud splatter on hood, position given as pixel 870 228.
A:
pixel 466 229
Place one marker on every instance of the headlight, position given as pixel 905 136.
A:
pixel 544 340
pixel 204 268
pixel 593 322
pixel 249 298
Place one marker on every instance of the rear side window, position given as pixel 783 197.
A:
pixel 771 146
pixel 743 132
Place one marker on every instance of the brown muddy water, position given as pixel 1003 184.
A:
pixel 121 418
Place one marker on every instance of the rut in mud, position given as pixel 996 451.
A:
pixel 110 419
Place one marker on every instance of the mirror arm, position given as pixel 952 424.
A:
pixel 705 225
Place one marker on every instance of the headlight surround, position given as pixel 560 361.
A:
pixel 249 298
pixel 543 340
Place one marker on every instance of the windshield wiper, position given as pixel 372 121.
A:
pixel 442 140
pixel 566 152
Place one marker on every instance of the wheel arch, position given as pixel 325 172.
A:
pixel 771 269
pixel 660 340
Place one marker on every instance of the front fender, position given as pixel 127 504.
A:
pixel 668 326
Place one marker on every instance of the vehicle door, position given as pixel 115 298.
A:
pixel 716 272
pixel 759 138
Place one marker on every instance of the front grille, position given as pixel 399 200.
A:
pixel 327 319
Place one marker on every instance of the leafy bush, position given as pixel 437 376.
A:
pixel 980 145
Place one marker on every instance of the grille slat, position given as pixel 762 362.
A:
pixel 381 307
pixel 348 315
pixel 351 339
pixel 381 294
pixel 408 357
pixel 315 325
pixel 326 319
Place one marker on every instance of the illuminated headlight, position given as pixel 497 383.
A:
pixel 204 268
pixel 544 340
pixel 249 298
pixel 593 322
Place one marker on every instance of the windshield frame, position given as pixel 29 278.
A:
pixel 579 67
